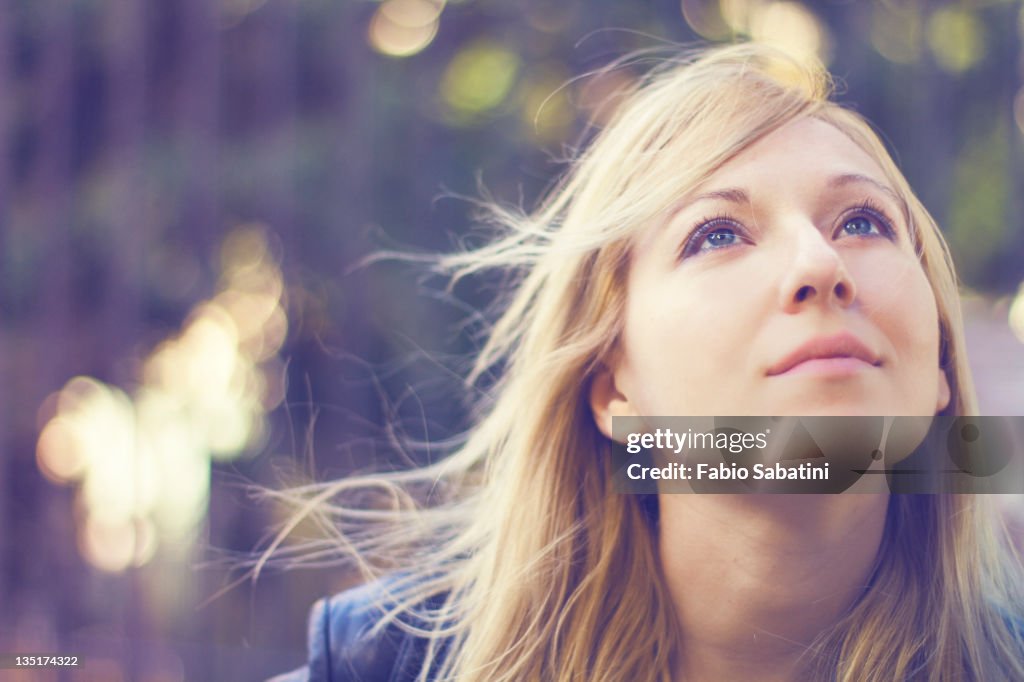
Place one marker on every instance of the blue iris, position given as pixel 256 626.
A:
pixel 720 237
pixel 860 226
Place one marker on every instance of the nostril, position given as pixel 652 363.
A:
pixel 804 293
pixel 841 291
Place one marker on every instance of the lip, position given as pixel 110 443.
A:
pixel 840 353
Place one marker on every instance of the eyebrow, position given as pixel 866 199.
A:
pixel 733 195
pixel 857 178
pixel 736 195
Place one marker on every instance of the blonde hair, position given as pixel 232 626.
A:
pixel 540 569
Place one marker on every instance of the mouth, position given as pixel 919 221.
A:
pixel 840 354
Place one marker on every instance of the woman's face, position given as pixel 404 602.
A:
pixel 787 284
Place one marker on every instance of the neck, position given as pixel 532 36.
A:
pixel 755 578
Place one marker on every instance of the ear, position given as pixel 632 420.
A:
pixel 607 401
pixel 944 392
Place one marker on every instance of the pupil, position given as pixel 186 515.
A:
pixel 858 226
pixel 720 237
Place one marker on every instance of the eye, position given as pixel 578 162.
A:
pixel 719 237
pixel 715 234
pixel 865 220
pixel 860 226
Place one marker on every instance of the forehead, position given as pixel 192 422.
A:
pixel 805 163
pixel 801 151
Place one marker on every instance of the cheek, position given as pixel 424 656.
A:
pixel 686 340
pixel 896 295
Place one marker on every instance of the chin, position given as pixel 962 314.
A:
pixel 841 408
pixel 849 401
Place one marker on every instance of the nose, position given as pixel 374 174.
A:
pixel 816 275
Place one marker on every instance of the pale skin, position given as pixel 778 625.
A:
pixel 799 237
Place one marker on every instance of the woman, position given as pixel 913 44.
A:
pixel 731 243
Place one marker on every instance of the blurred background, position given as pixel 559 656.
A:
pixel 187 186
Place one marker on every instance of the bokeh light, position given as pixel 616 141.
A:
pixel 739 14
pixel 1016 317
pixel 788 26
pixel 896 32
pixel 956 38
pixel 114 545
pixel 791 27
pixel 478 79
pixel 402 28
pixel 705 18
pixel 412 13
pixel 142 462
pixel 58 454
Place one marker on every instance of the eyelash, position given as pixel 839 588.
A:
pixel 705 227
pixel 871 208
pixel 708 225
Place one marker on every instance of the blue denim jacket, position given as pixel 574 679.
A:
pixel 343 648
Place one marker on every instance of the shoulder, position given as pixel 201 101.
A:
pixel 345 642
